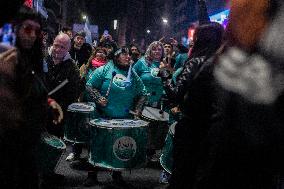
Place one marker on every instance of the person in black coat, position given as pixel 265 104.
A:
pixel 24 103
pixel 80 51
pixel 192 92
pixel 245 147
pixel 61 67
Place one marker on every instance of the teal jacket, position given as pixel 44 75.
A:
pixel 123 95
pixel 180 60
pixel 148 74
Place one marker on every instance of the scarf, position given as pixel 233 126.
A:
pixel 98 63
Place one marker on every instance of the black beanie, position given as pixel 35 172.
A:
pixel 27 13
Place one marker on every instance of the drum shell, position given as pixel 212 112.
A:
pixel 158 127
pixel 157 132
pixel 48 154
pixel 76 128
pixel 102 147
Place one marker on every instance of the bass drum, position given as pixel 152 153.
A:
pixel 118 143
pixel 49 153
pixel 76 128
pixel 158 127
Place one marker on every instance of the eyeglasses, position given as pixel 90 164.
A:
pixel 101 53
pixel 28 29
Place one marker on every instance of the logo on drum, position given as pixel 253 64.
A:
pixel 124 148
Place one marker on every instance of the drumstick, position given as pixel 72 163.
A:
pixel 161 110
pixel 109 86
pixel 58 87
pixel 133 113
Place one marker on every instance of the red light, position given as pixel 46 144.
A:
pixel 29 3
pixel 190 33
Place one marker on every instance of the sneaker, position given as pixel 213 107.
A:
pixel 164 177
pixel 72 157
pixel 91 180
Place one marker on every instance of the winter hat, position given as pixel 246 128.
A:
pixel 26 13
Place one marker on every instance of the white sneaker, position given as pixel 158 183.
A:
pixel 164 177
pixel 70 157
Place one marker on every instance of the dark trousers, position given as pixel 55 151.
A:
pixel 185 154
pixel 77 148
pixel 18 169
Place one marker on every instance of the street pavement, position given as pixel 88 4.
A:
pixel 145 178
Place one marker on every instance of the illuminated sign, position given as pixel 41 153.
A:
pixel 221 17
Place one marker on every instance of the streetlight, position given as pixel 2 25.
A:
pixel 165 21
pixel 84 17
pixel 148 31
pixel 114 24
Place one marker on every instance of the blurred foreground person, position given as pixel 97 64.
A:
pixel 192 92
pixel 245 148
pixel 24 103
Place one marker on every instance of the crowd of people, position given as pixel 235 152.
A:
pixel 223 94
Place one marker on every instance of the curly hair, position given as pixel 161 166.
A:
pixel 148 56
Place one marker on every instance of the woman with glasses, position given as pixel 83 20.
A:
pixel 97 59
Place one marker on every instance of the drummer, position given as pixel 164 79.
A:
pixel 117 90
pixel 147 69
pixel 97 59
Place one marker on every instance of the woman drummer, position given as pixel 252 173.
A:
pixel 147 69
pixel 97 59
pixel 116 89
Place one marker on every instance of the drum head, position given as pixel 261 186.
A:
pixel 118 123
pixel 81 107
pixel 53 141
pixel 154 114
